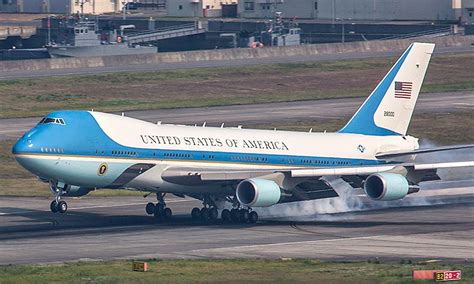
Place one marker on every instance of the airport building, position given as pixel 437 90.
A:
pixel 197 8
pixel 467 12
pixel 61 6
pixel 432 10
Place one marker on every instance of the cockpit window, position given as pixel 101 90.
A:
pixel 51 120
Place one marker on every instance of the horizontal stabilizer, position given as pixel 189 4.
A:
pixel 421 151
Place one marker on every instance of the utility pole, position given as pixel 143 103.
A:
pixel 82 7
pixel 124 9
pixel 49 30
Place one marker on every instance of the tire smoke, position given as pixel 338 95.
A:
pixel 353 200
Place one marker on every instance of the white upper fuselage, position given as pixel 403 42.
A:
pixel 73 152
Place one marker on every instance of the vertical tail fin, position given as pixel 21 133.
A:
pixel 388 110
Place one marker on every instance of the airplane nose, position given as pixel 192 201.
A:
pixel 23 145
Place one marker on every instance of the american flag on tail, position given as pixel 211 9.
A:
pixel 403 90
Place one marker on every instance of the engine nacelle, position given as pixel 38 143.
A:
pixel 386 186
pixel 75 191
pixel 258 192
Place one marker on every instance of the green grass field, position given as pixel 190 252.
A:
pixel 226 271
pixel 219 86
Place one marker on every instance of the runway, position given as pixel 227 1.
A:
pixel 269 113
pixel 436 224
pixel 217 63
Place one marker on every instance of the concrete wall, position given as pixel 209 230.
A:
pixel 353 9
pixel 227 54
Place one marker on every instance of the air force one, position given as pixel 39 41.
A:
pixel 80 151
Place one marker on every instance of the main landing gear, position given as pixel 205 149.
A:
pixel 159 210
pixel 236 215
pixel 57 205
pixel 205 213
pixel 241 215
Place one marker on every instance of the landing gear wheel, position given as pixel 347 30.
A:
pixel 196 214
pixel 243 216
pixel 167 213
pixel 234 215
pixel 205 214
pixel 150 208
pixel 213 213
pixel 253 217
pixel 158 212
pixel 62 207
pixel 225 215
pixel 53 206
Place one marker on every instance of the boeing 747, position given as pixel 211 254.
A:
pixel 80 151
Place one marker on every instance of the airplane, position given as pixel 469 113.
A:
pixel 80 151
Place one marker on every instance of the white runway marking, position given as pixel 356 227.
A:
pixel 297 243
pixel 92 207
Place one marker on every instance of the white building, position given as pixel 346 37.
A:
pixel 196 8
pixel 352 9
pixel 61 6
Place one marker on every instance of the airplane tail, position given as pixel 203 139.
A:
pixel 388 110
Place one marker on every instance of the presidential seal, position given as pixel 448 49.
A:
pixel 102 169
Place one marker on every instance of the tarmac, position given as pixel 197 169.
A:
pixel 269 113
pixel 435 224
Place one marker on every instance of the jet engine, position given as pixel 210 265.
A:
pixel 258 192
pixel 387 187
pixel 75 191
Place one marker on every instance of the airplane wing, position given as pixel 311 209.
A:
pixel 395 154
pixel 196 176
pixel 299 184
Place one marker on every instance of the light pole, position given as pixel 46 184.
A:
pixel 124 9
pixel 343 29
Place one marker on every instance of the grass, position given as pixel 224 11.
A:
pixel 439 128
pixel 225 271
pixel 219 86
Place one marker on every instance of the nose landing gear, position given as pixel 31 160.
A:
pixel 57 205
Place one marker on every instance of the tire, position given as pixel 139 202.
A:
pixel 213 213
pixel 225 215
pixel 196 214
pixel 253 217
pixel 243 216
pixel 53 206
pixel 234 215
pixel 158 212
pixel 205 214
pixel 167 213
pixel 62 207
pixel 150 208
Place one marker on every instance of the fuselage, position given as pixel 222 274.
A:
pixel 99 150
